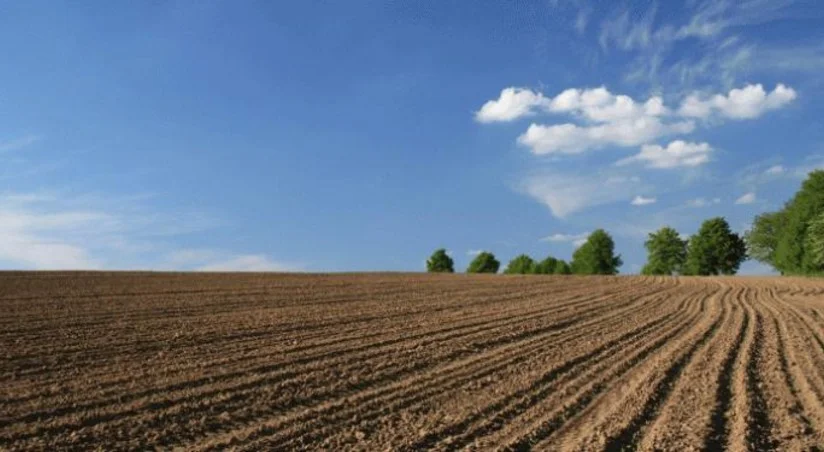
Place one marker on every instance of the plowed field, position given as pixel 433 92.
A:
pixel 409 362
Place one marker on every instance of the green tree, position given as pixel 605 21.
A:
pixel 814 247
pixel 596 256
pixel 440 262
pixel 762 238
pixel 667 252
pixel 715 250
pixel 807 204
pixel 546 266
pixel 520 265
pixel 484 263
pixel 561 268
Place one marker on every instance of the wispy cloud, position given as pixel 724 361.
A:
pixel 18 143
pixel 566 193
pixel 642 201
pixel 746 198
pixel 703 202
pixel 249 263
pixel 575 239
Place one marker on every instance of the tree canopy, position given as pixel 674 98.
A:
pixel 596 256
pixel 815 244
pixel 484 263
pixel 562 268
pixel 667 252
pixel 520 265
pixel 546 266
pixel 440 262
pixel 808 203
pixel 715 250
pixel 762 238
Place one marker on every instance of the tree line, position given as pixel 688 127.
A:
pixel 713 250
pixel 791 240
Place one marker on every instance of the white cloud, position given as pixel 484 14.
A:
pixel 571 139
pixel 677 154
pixel 575 239
pixel 642 201
pixel 748 102
pixel 775 170
pixel 747 198
pixel 513 103
pixel 248 263
pixel 565 194
pixel 702 202
pixel 474 252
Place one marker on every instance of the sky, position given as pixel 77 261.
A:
pixel 362 135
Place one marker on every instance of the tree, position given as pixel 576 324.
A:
pixel 561 268
pixel 440 262
pixel 807 204
pixel 715 250
pixel 814 246
pixel 546 266
pixel 762 238
pixel 596 256
pixel 667 252
pixel 484 263
pixel 520 265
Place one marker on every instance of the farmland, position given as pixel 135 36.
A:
pixel 409 362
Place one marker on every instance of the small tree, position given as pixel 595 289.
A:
pixel 546 266
pixel 520 265
pixel 667 252
pixel 814 247
pixel 596 256
pixel 440 262
pixel 715 250
pixel 561 268
pixel 484 263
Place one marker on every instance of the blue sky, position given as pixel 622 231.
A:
pixel 336 136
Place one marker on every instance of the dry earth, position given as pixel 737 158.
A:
pixel 409 362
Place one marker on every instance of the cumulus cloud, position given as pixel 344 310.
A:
pixel 608 119
pixel 747 198
pixel 775 170
pixel 642 201
pixel 474 252
pixel 565 193
pixel 572 139
pixel 748 102
pixel 677 154
pixel 513 103
pixel 575 239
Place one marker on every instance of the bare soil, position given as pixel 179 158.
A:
pixel 124 361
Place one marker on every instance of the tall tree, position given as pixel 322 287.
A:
pixel 762 238
pixel 484 263
pixel 546 266
pixel 520 265
pixel 440 262
pixel 596 256
pixel 715 250
pixel 667 252
pixel 814 246
pixel 807 204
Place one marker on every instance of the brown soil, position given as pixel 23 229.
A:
pixel 409 362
